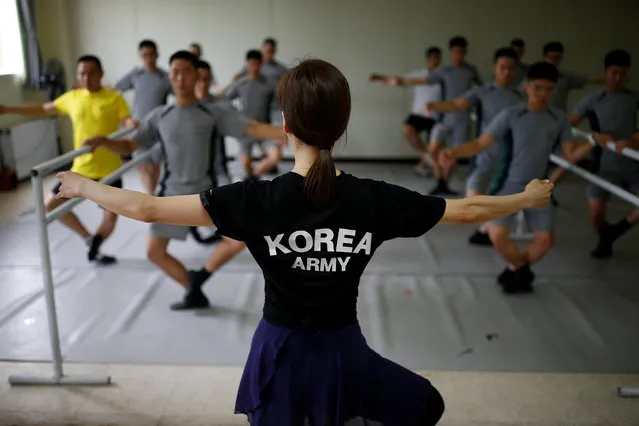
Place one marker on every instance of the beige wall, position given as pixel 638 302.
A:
pixel 359 36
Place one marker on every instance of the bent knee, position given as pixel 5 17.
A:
pixel 499 235
pixel 544 241
pixel 156 251
pixel 408 130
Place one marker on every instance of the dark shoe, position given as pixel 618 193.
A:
pixel 506 277
pixel 197 279
pixel 522 282
pixel 603 250
pixel 442 189
pixel 607 235
pixel 192 300
pixel 94 255
pixel 480 239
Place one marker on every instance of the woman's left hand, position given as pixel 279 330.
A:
pixel 72 185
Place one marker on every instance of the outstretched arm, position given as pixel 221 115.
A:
pixel 392 80
pixel 482 208
pixel 456 105
pixel 470 149
pixel 47 109
pixel 184 210
pixel 259 130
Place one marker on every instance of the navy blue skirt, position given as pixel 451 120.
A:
pixel 297 377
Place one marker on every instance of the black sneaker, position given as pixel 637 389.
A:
pixel 442 189
pixel 197 279
pixel 522 282
pixel 94 255
pixel 603 250
pixel 192 300
pixel 480 238
pixel 506 277
pixel 607 235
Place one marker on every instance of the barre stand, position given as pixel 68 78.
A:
pixel 44 219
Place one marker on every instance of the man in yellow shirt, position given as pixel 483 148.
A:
pixel 94 111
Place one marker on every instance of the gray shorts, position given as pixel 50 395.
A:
pixel 168 231
pixel 246 146
pixel 450 135
pixel 537 220
pixel 479 179
pixel 623 177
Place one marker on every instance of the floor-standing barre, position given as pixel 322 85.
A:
pixel 43 219
pixel 619 192
pixel 626 152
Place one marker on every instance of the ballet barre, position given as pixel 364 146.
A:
pixel 43 220
pixel 619 192
pixel 626 152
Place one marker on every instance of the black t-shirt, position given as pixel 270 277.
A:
pixel 312 259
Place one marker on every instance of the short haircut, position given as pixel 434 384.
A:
pixel 271 41
pixel 186 56
pixel 198 46
pixel 543 71
pixel 91 58
pixel 147 43
pixel 254 55
pixel 203 65
pixel 553 47
pixel 458 41
pixel 505 52
pixel 617 57
pixel 517 42
pixel 433 50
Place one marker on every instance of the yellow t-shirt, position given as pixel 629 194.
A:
pixel 93 114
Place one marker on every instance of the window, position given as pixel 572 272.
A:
pixel 11 52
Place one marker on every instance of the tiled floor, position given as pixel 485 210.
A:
pixel 199 396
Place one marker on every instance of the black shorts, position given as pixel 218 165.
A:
pixel 419 123
pixel 56 188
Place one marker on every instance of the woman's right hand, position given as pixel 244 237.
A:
pixel 538 193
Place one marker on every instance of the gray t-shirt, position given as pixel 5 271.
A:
pixel 455 81
pixel 488 101
pixel 151 89
pixel 529 138
pixel 257 97
pixel 613 113
pixel 189 136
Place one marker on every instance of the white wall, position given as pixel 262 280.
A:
pixel 359 36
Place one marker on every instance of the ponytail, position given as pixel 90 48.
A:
pixel 320 182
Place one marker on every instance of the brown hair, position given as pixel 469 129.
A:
pixel 316 101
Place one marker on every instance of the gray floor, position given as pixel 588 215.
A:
pixel 428 303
